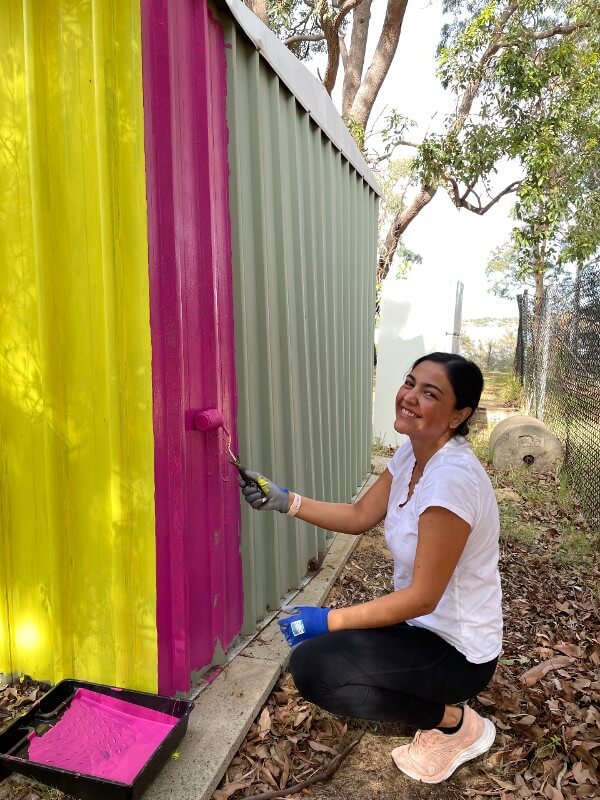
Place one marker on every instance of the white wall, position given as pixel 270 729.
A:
pixel 417 317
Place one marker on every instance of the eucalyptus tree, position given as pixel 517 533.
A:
pixel 525 78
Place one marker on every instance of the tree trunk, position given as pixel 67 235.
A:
pixel 259 7
pixel 333 53
pixel 426 193
pixel 399 225
pixel 538 300
pixel 361 18
pixel 385 51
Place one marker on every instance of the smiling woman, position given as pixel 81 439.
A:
pixel 417 654
pixel 440 394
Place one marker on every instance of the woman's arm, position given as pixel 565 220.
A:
pixel 349 518
pixel 442 539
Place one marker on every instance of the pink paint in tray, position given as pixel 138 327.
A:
pixel 102 736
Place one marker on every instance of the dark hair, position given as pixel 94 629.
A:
pixel 465 378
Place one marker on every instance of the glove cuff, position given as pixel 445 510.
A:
pixel 325 628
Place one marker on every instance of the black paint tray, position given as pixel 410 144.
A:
pixel 80 735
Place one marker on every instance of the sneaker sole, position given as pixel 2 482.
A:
pixel 478 748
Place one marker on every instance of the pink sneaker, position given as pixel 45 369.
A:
pixel 432 756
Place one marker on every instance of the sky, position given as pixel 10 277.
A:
pixel 454 244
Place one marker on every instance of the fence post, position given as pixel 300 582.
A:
pixel 455 348
pixel 545 325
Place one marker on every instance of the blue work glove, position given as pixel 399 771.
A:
pixel 305 623
pixel 261 493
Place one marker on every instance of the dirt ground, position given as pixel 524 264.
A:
pixel 370 773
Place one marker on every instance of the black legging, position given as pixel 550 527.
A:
pixel 397 674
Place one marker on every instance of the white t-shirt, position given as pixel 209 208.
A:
pixel 469 613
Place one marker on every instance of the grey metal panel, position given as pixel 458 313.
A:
pixel 304 231
pixel 309 91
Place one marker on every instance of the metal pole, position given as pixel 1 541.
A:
pixel 457 317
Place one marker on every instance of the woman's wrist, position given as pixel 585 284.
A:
pixel 334 619
pixel 294 503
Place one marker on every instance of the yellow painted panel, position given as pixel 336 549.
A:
pixel 77 542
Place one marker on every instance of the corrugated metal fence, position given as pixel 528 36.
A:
pixel 77 549
pixel 304 226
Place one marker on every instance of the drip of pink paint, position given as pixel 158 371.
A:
pixel 102 736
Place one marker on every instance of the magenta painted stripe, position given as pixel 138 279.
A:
pixel 216 562
pixel 199 583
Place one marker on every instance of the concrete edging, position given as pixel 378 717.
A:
pixel 225 710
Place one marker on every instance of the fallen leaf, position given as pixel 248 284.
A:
pixel 300 717
pixel 485 700
pixel 231 788
pixel 262 752
pixel 568 649
pixel 503 784
pixel 580 773
pixel 264 723
pixel 528 719
pixel 285 774
pixel 321 748
pixel 533 675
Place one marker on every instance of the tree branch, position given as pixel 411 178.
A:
pixel 344 11
pixel 460 201
pixel 426 192
pixel 343 53
pixel 304 37
pixel 301 24
pixel 557 30
pixel 466 101
pixel 387 45
pixel 400 223
pixel 390 149
pixel 324 775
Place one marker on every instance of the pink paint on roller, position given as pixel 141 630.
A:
pixel 208 420
pixel 102 736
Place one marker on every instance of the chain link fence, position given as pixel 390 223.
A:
pixel 558 361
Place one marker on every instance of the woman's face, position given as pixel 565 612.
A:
pixel 426 404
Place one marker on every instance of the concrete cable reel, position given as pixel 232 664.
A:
pixel 522 441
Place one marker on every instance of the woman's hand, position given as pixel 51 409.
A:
pixel 306 623
pixel 261 493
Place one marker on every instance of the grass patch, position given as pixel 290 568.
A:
pixel 513 527
pixel 548 746
pixel 480 442
pixel 525 483
pixel 576 549
pixel 511 391
pixel 502 387
pixel 492 382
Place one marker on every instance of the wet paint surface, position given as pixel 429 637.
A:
pixel 77 526
pixel 102 736
pixel 199 583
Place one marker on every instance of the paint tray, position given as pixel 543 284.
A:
pixel 93 741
